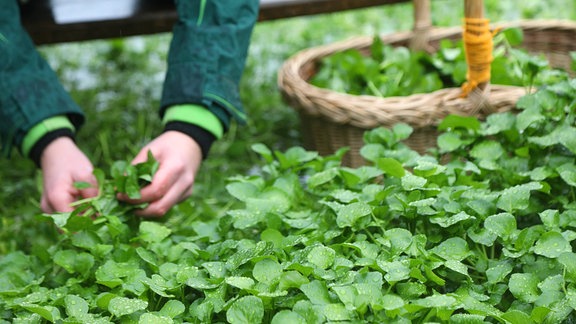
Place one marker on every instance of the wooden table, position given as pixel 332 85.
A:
pixel 57 21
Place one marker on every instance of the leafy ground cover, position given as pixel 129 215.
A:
pixel 486 237
pixel 214 260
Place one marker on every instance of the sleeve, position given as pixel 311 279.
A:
pixel 207 56
pixel 30 91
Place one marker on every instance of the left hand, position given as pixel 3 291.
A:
pixel 179 158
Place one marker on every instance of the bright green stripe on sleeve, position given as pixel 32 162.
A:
pixel 43 128
pixel 196 115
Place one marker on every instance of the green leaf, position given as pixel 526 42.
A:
pixel 242 190
pixel 349 215
pixel 454 248
pixel 449 142
pixel 552 245
pixel 487 150
pixel 550 218
pixel 436 301
pixel 316 292
pixel 246 310
pixel 267 271
pixel 286 316
pixel 514 36
pixel 517 197
pixel 516 316
pixel 120 306
pixel 172 308
pixel 412 182
pixel 567 172
pixel 152 232
pixel 524 286
pixel 321 256
pixel 502 225
pixel 454 121
pixel 148 318
pixel 49 313
pixel 391 167
pixel 76 307
pixel 394 271
pixel 467 319
pixel 240 282
pixel 498 272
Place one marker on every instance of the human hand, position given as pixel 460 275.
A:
pixel 179 158
pixel 62 164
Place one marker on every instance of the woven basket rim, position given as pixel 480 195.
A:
pixel 367 111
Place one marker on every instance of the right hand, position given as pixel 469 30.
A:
pixel 63 164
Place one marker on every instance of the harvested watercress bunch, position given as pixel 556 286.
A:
pixel 387 70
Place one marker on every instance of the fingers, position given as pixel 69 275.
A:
pixel 169 186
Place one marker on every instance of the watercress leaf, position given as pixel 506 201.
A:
pixel 152 232
pixel 498 272
pixel 336 312
pixel 487 150
pixel 292 279
pixel 322 177
pixel 517 197
pixel 447 221
pixel 453 121
pixel 516 316
pixel 349 215
pixel 567 172
pixel 502 225
pixel 49 313
pixel 413 182
pixel 550 218
pixel 216 269
pixel 76 307
pixel 244 283
pixel 482 236
pixel 402 131
pixel 267 271
pixel 264 151
pixel 524 286
pixel 454 248
pixel 347 295
pixel 436 301
pixel 246 310
pixel 149 318
pixel 120 306
pixel 394 271
pixel 316 292
pixel 322 256
pixel 514 36
pixel 286 316
pixel 467 319
pixel 449 142
pixel 391 167
pixel 242 190
pixel 497 123
pixel 172 308
pixel 552 244
pixel 568 260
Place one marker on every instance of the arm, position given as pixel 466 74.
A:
pixel 37 116
pixel 200 95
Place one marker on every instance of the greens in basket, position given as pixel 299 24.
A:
pixel 397 71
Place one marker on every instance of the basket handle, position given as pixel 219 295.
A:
pixel 422 26
pixel 476 28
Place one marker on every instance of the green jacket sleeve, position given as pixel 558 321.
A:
pixel 207 56
pixel 30 91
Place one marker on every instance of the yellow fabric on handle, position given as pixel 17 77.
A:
pixel 478 45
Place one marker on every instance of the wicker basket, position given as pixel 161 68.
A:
pixel 331 120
